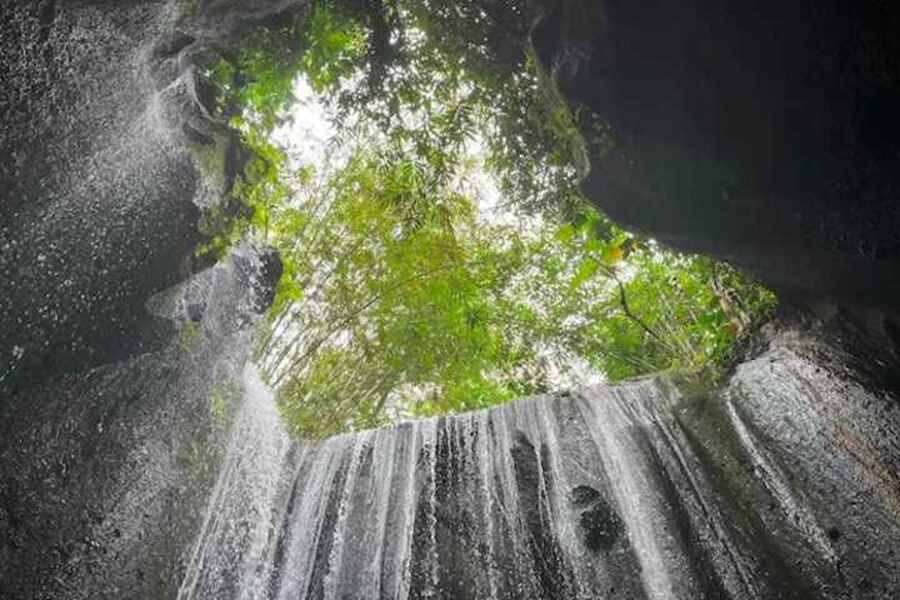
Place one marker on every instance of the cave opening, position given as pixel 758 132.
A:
pixel 237 238
pixel 417 171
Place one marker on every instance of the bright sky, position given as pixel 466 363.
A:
pixel 306 134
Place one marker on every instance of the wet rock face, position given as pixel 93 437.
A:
pixel 100 190
pixel 535 483
pixel 95 188
pixel 120 352
pixel 600 524
pixel 757 131
pixel 780 485
pixel 104 474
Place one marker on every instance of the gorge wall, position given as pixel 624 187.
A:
pixel 761 132
pixel 108 158
pixel 120 351
pixel 105 472
pixel 140 459
pixel 782 485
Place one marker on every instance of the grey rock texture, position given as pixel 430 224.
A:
pixel 120 352
pixel 104 474
pixel 140 459
pixel 782 484
pixel 107 155
pixel 96 212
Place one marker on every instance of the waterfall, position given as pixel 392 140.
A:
pixel 237 526
pixel 629 491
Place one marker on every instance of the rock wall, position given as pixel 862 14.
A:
pixel 104 473
pixel 781 485
pixel 120 351
pixel 96 212
pixel 123 433
pixel 107 156
pixel 761 132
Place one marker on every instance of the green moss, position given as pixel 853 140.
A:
pixel 200 461
pixel 223 399
pixel 695 384
pixel 190 8
pixel 218 203
pixel 189 337
pixel 210 160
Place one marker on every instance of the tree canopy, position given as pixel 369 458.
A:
pixel 399 296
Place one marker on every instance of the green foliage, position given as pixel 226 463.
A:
pixel 414 307
pixel 335 44
pixel 254 78
pixel 259 191
pixel 470 61
pixel 222 398
pixel 189 337
pixel 397 298
pixel 255 81
pixel 678 316
pixel 403 280
pixel 331 398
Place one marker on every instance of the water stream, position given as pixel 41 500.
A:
pixel 609 492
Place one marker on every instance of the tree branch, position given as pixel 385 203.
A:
pixel 623 301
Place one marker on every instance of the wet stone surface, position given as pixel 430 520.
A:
pixel 601 526
pixel 118 479
pixel 632 491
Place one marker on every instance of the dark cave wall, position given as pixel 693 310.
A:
pixel 115 386
pixel 764 133
pixel 108 440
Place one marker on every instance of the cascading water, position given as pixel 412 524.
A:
pixel 632 491
pixel 245 494
pixel 783 485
